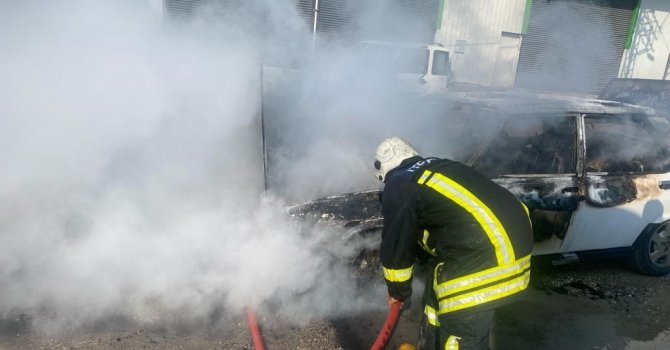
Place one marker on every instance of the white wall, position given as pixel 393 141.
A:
pixel 480 24
pixel 648 55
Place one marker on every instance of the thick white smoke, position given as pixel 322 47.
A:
pixel 132 173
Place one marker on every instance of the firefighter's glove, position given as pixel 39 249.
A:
pixel 403 303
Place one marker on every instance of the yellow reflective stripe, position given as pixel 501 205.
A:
pixel 424 243
pixel 452 343
pixel 431 316
pixel 485 295
pixel 527 214
pixel 484 216
pixel 481 278
pixel 400 275
pixel 424 176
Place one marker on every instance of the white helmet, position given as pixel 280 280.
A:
pixel 390 153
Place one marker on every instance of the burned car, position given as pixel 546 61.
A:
pixel 595 174
pixel 652 93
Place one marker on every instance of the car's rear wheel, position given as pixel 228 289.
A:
pixel 652 253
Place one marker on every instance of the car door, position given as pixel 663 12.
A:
pixel 626 165
pixel 536 158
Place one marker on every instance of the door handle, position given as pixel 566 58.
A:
pixel 664 185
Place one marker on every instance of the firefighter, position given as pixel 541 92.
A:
pixel 474 236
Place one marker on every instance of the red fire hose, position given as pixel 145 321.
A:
pixel 253 329
pixel 380 342
pixel 387 329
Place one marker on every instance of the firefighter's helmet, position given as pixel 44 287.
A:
pixel 390 153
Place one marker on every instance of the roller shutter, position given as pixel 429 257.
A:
pixel 306 11
pixel 573 45
pixel 179 10
pixel 398 20
pixel 251 16
pixel 345 21
pixel 338 19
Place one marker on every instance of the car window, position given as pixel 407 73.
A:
pixel 535 145
pixel 440 63
pixel 409 60
pixel 625 144
pixel 454 130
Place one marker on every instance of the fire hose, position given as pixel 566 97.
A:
pixel 253 329
pixel 389 325
pixel 379 344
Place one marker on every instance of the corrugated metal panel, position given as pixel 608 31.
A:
pixel 306 11
pixel 338 19
pixel 342 20
pixel 422 15
pixel 573 45
pixel 248 15
pixel 180 10
pixel 396 20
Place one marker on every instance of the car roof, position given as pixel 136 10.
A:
pixel 535 103
pixel 645 92
pixel 619 86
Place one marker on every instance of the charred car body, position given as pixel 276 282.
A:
pixel 644 92
pixel 595 174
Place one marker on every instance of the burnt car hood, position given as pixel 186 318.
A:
pixel 361 211
pixel 358 211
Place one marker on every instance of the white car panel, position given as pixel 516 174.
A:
pixel 619 226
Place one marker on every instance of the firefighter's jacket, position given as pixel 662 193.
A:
pixel 477 232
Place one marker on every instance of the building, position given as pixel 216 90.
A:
pixel 572 46
pixel 647 50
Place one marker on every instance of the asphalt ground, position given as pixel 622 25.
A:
pixel 601 304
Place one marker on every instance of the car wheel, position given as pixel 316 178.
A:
pixel 652 253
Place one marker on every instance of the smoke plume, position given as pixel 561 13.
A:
pixel 133 170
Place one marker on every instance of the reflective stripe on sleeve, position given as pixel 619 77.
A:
pixel 526 209
pixel 431 316
pixel 484 216
pixel 530 221
pixel 401 275
pixel 484 295
pixel 445 289
pixel 452 343
pixel 424 176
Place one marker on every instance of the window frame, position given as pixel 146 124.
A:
pixel 630 118
pixel 577 146
pixel 434 66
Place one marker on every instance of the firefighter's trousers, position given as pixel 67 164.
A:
pixel 452 332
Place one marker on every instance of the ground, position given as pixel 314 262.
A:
pixel 601 304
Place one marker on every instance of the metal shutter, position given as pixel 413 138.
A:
pixel 355 20
pixel 573 45
pixel 340 20
pixel 306 11
pixel 248 15
pixel 421 15
pixel 180 10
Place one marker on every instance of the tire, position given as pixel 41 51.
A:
pixel 652 252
